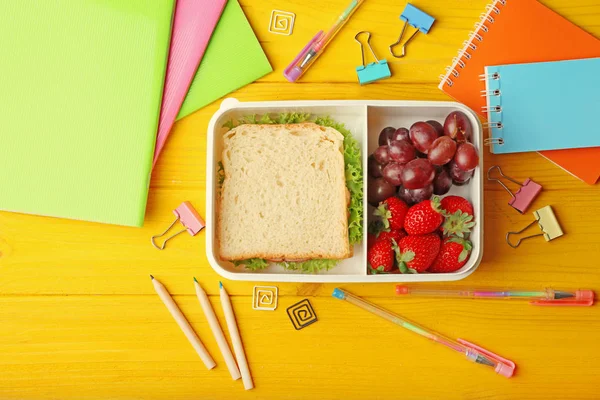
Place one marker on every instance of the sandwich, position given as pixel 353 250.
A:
pixel 291 193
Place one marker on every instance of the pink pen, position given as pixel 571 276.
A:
pixel 546 297
pixel 315 47
pixel 472 352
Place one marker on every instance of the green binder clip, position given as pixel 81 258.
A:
pixel 372 72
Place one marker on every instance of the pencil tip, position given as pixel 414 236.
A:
pixel 220 285
pixel 152 277
pixel 195 280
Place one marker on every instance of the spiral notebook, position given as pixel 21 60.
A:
pixel 81 88
pixel 558 111
pixel 193 25
pixel 522 31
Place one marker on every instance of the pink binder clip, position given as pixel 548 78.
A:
pixel 528 191
pixel 190 219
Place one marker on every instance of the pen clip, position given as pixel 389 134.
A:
pixel 583 298
pixel 505 367
pixel 292 73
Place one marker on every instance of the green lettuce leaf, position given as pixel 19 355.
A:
pixel 254 264
pixel 354 177
pixel 310 266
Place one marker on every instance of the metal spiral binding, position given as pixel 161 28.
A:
pixel 496 109
pixel 492 8
pixel 447 79
pixel 458 61
pixel 491 141
pixel 484 77
pixel 454 72
pixel 479 27
pixel 470 45
pixel 497 125
pixel 476 36
pixel 489 18
pixel 485 93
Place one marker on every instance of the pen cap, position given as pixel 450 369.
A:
pixel 338 294
pixel 292 74
pixel 584 295
pixel 583 298
pixel 402 289
pixel 505 367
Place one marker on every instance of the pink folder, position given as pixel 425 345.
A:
pixel 193 25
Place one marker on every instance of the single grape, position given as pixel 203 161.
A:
pixel 459 177
pixel 414 196
pixel 422 136
pixel 401 134
pixel 442 182
pixel 437 126
pixel 466 157
pixel 392 173
pixel 405 195
pixel 401 151
pixel 375 169
pixel 458 127
pixel 378 190
pixel 382 155
pixel 386 135
pixel 417 174
pixel 442 150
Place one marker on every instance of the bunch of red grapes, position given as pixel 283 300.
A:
pixel 415 164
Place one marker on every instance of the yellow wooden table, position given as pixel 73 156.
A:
pixel 79 317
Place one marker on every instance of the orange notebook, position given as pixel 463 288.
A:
pixel 516 32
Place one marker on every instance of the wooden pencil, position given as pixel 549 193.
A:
pixel 209 312
pixel 183 323
pixel 236 340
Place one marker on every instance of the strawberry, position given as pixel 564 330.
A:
pixel 381 257
pixel 371 239
pixel 415 254
pixel 424 217
pixel 396 235
pixel 452 204
pixel 459 224
pixel 392 212
pixel 453 255
pixel 459 216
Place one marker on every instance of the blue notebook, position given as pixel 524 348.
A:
pixel 543 106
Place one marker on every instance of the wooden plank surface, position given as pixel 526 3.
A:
pixel 80 318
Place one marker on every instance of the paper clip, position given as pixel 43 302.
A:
pixel 548 224
pixel 522 199
pixel 372 72
pixel 265 298
pixel 190 219
pixel 416 18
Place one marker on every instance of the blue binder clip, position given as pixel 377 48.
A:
pixel 372 72
pixel 416 18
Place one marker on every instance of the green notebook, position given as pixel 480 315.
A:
pixel 80 92
pixel 232 59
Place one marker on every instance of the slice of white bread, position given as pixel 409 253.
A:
pixel 284 196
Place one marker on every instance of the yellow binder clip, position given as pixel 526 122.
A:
pixel 548 224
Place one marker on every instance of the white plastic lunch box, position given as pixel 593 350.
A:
pixel 365 119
